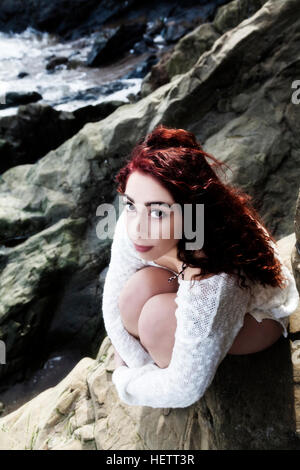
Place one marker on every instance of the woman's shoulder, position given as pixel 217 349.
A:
pixel 189 272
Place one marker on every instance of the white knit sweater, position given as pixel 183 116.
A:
pixel 209 316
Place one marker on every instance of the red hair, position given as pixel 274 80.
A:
pixel 234 237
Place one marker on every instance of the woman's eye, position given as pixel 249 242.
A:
pixel 128 204
pixel 161 212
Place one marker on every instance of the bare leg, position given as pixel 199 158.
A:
pixel 139 288
pixel 157 326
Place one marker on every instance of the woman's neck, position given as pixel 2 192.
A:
pixel 171 261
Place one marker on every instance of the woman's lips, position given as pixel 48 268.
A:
pixel 142 248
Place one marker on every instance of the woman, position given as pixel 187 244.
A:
pixel 172 312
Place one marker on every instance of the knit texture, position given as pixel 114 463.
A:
pixel 210 313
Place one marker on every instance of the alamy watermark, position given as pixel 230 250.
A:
pixel 105 227
pixel 296 94
pixel 2 352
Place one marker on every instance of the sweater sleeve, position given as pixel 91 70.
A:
pixel 209 316
pixel 123 263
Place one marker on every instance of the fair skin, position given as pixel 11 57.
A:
pixel 147 301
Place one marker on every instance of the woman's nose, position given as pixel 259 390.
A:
pixel 140 227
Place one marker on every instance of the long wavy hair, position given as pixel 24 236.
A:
pixel 236 240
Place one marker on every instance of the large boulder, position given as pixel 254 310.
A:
pixel 38 128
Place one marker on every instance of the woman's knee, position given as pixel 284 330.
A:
pixel 157 322
pixel 138 289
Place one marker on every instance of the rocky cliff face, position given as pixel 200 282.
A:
pixel 236 98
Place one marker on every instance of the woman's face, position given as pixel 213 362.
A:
pixel 149 223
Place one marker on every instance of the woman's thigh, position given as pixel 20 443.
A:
pixel 254 336
pixel 139 288
pixel 157 325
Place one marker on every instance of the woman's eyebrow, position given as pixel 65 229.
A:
pixel 149 203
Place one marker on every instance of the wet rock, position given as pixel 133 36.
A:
pixel 15 98
pixel 143 68
pixel 38 128
pixel 22 74
pixel 54 62
pixel 106 51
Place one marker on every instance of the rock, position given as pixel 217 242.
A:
pixel 38 128
pixel 143 68
pixel 15 98
pixel 230 15
pixel 56 61
pixel 83 412
pixel 190 48
pixel 50 426
pixel 46 258
pixel 22 74
pixel 122 39
pixel 158 75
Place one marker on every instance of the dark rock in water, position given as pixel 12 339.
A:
pixel 147 39
pixel 95 92
pixel 140 47
pixel 143 68
pixel 15 98
pixel 100 43
pixel 173 31
pixel 22 74
pixel 105 52
pixel 55 62
pixel 38 128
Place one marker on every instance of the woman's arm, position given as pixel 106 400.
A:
pixel 209 317
pixel 123 263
